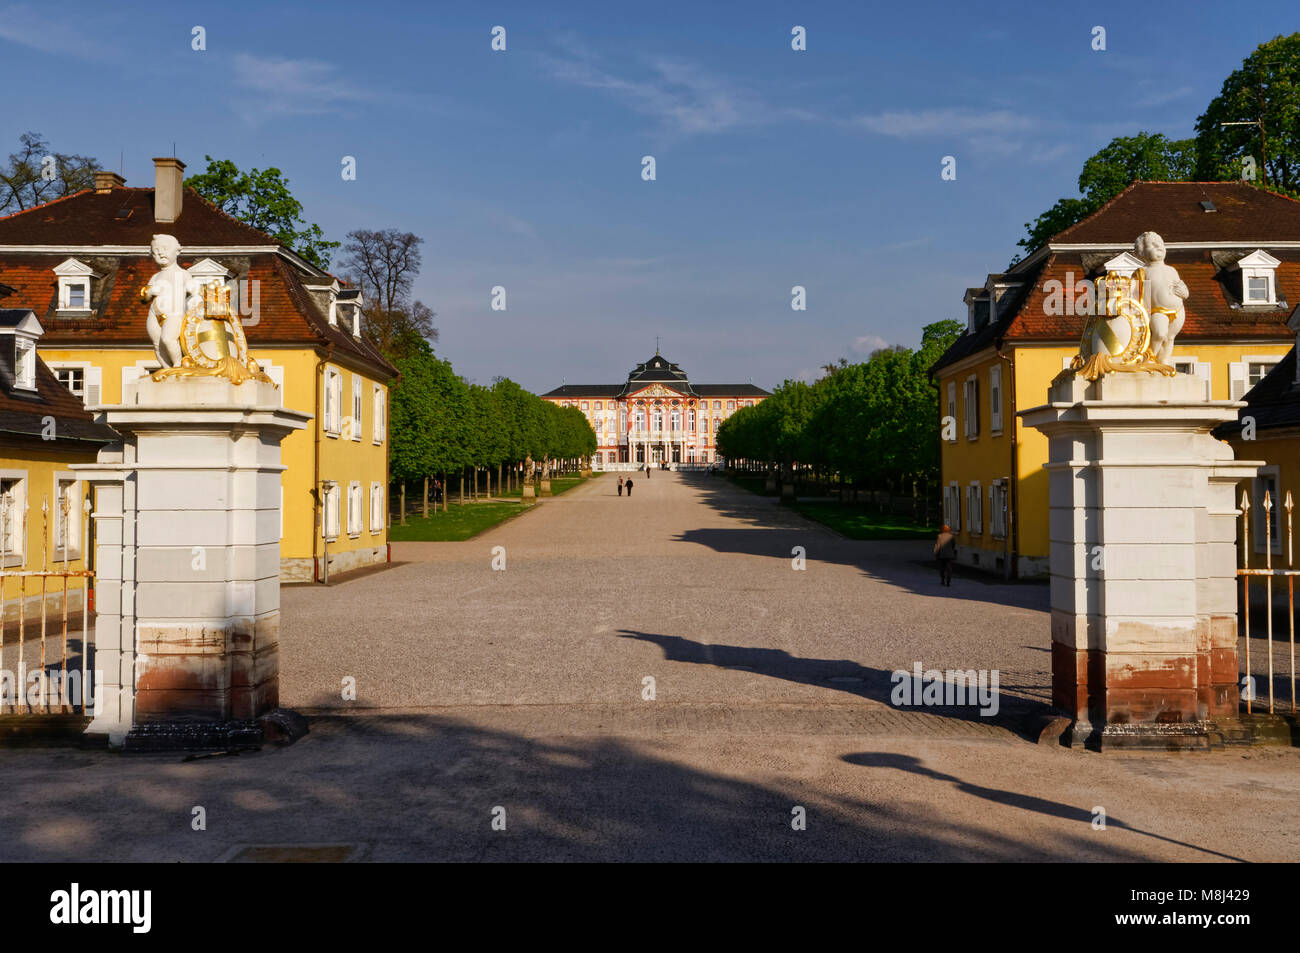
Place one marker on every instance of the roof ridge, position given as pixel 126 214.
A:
pixel 61 198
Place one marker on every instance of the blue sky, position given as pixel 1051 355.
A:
pixel 523 168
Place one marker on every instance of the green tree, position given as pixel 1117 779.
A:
pixel 261 198
pixel 1107 172
pixel 1264 92
pixel 37 174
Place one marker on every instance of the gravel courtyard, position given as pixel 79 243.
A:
pixel 484 695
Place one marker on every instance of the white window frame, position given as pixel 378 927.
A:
pixel 331 500
pixel 72 273
pixel 380 412
pixel 24 362
pixel 377 511
pixel 358 410
pixel 1239 373
pixel 1258 264
pixel 952 409
pixel 998 515
pixel 332 395
pixel 995 399
pixel 972 407
pixel 952 501
pixel 354 509
pixel 975 509
pixel 14 555
pixel 60 480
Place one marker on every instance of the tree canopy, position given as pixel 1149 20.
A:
pixel 35 173
pixel 261 198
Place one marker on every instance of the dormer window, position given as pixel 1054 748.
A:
pixel 350 302
pixel 19 331
pixel 1258 278
pixel 209 272
pixel 25 363
pixel 74 287
pixel 1125 263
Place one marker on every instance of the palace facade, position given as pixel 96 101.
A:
pixel 657 415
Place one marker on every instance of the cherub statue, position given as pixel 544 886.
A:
pixel 168 293
pixel 1164 292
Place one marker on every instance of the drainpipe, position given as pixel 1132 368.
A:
pixel 1011 541
pixel 317 512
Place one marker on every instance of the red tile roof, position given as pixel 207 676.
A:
pixel 91 218
pixel 287 314
pixel 1246 213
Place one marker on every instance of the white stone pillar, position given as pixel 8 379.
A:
pixel 1143 589
pixel 188 529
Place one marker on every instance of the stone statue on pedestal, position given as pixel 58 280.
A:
pixel 1134 319
pixel 194 330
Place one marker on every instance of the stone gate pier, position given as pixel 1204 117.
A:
pixel 187 550
pixel 1143 580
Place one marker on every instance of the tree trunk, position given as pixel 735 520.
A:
pixel 426 497
pixel 446 491
pixel 403 502
pixel 462 486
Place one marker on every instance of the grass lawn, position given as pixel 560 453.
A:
pixel 854 520
pixel 864 522
pixel 458 523
pixel 467 521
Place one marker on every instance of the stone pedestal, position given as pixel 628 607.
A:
pixel 1143 580
pixel 187 553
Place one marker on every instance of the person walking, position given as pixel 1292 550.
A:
pixel 647 471
pixel 620 486
pixel 945 550
pixel 628 485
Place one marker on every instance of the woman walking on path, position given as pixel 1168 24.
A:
pixel 620 486
pixel 945 550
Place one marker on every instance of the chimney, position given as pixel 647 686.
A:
pixel 167 190
pixel 106 181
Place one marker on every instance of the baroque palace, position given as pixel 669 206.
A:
pixel 656 416
pixel 78 265
pixel 1236 248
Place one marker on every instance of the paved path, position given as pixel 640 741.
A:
pixel 522 690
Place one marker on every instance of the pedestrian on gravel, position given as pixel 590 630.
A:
pixel 620 486
pixel 628 484
pixel 647 471
pixel 945 551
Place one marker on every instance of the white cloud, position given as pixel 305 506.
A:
pixel 931 123
pixel 676 93
pixel 286 87
pixel 868 343
pixel 54 33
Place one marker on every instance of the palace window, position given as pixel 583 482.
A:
pixel 691 421
pixel 972 407
pixel 354 509
pixel 600 405
pixel 583 406
pixel 1256 371
pixel 717 405
pixel 731 405
pixel 333 396
pixel 380 414
pixel 952 408
pixel 952 507
pixel 66 517
pixel 377 508
pixel 73 378
pixel 640 420
pixel 658 419
pixel 974 510
pixel 13 510
pixel 995 399
pixel 998 509
pixel 1258 277
pixel 677 420
pixel 74 286
pixel 332 497
pixel 356 406
pixel 25 363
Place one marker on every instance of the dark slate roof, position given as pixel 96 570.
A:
pixel 731 390
pixel 657 370
pixel 23 413
pixel 584 390
pixel 1274 402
